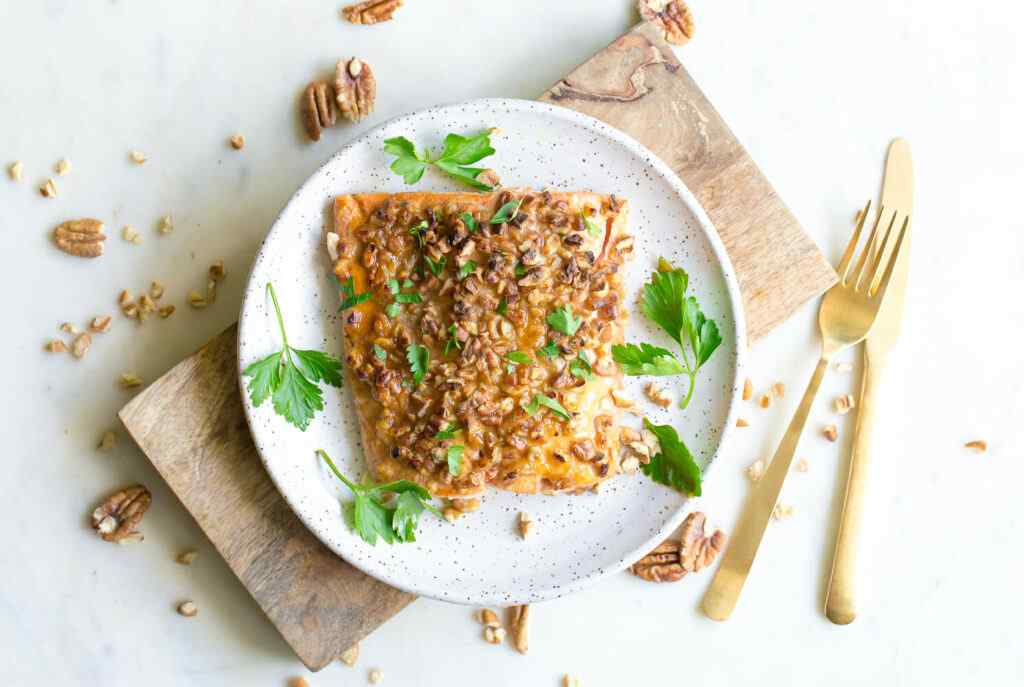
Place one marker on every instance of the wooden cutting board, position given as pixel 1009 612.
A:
pixel 190 422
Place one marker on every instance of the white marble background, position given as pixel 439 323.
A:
pixel 814 90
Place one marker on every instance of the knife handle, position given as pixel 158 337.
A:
pixel 840 598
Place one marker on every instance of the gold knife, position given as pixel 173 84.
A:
pixel 897 197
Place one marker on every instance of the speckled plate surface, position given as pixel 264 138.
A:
pixel 576 539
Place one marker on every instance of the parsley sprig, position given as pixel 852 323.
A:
pixel 455 158
pixel 673 465
pixel 389 511
pixel 291 376
pixel 551 404
pixel 562 320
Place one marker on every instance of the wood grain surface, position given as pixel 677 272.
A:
pixel 191 425
pixel 637 85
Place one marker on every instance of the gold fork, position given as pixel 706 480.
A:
pixel 847 313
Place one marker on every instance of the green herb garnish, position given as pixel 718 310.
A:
pixel 373 517
pixel 580 367
pixel 467 268
pixel 646 359
pixel 562 320
pixel 592 228
pixel 417 231
pixel 393 310
pixel 551 404
pixel 469 221
pixel 550 350
pixel 379 352
pixel 448 432
pixel 452 342
pixel 291 377
pixel 520 270
pixel 674 465
pixel 349 297
pixel 518 357
pixel 506 212
pixel 454 456
pixel 458 153
pixel 435 267
pixel 419 359
pixel 502 308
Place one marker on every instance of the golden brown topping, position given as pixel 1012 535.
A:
pixel 356 89
pixel 371 11
pixel 672 16
pixel 118 516
pixel 317 108
pixel 80 237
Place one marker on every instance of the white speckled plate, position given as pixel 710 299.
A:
pixel 576 539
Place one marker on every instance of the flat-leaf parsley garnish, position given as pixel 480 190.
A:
pixel 454 455
pixel 455 158
pixel 419 360
pixel 551 404
pixel 349 297
pixel 448 432
pixel 506 212
pixel 290 377
pixel 646 359
pixel 562 320
pixel 673 465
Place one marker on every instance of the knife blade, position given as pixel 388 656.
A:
pixel 898 198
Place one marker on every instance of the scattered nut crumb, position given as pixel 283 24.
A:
pixel 297 682
pixel 494 635
pixel 166 225
pixel 464 505
pixel 525 524
pixel 107 441
pixel 69 328
pixel 765 401
pixel 56 346
pixel 657 395
pixel 124 298
pixel 569 681
pixel 48 189
pixel 748 389
pixel 216 271
pixel 196 300
pixel 101 324
pixel 82 238
pixel 740 422
pixel 14 170
pixel 146 305
pixel 237 141
pixel 781 512
pixel 156 290
pixel 137 157
pixel 130 381
pixel 375 676
pixel 487 617
pixel 979 445
pixel 371 11
pixel 843 367
pixel 186 557
pixel 350 655
pixel 188 609
pixel 80 345
pixel 521 628
pixel 830 432
pixel 451 514
pixel 166 311
pixel 63 166
pixel 621 400
pixel 755 470
pixel 130 235
pixel 801 465
pixel 779 390
pixel 844 404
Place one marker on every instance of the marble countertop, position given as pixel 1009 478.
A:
pixel 815 92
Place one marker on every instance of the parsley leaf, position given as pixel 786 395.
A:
pixel 551 404
pixel 416 231
pixel 580 367
pixel 502 308
pixel 379 352
pixel 435 267
pixel 518 357
pixel 419 359
pixel 349 297
pixel 562 320
pixel 673 465
pixel 393 286
pixel 520 270
pixel 663 299
pixel 393 310
pixel 467 268
pixel 408 298
pixel 448 432
pixel 506 212
pixel 454 455
pixel 646 359
pixel 592 228
pixel 452 342
pixel 469 221
pixel 290 377
pixel 458 153
pixel 373 517
pixel 701 332
pixel 550 350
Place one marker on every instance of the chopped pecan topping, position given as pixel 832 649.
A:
pixel 371 11
pixel 118 516
pixel 356 89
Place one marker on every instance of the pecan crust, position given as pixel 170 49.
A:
pixel 371 11
pixel 356 89
pixel 674 559
pixel 673 17
pixel 117 517
pixel 80 237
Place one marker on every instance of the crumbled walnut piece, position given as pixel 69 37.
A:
pixel 118 516
pixel 748 389
pixel 101 324
pixel 165 225
pixel 350 655
pixel 69 328
pixel 80 237
pixel 80 344
pixel 196 300
pixel 14 170
pixel 661 565
pixel 124 299
pixel 658 395
pixel 673 17
pixel 755 470
pixel 782 512
pixel 494 635
pixel 697 550
pixel 520 627
pixel 830 432
pixel 156 290
pixel 778 390
pixel 317 108
pixel 216 271
pixel 621 400
pixel 146 305
pixel 107 441
pixel 524 524
pixel 740 422
pixel 166 311
pixel 48 189
pixel 130 235
pixel 801 465
pixel 130 381
pixel 487 618
pixel 356 89
pixel 56 346
pixel 189 609
pixel 375 676
pixel 237 141
pixel 371 11
pixel 765 401
pixel 63 166
pixel 843 367
pixel 569 681
pixel 844 404
pixel 465 505
pixel 332 246
pixel 979 445
pixel 137 157
pixel 451 514
pixel 186 557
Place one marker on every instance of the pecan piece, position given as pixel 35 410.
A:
pixel 356 89
pixel 117 517
pixel 661 565
pixel 697 549
pixel 371 11
pixel 317 108
pixel 81 237
pixel 673 17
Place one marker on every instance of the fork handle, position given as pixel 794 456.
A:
pixel 840 598
pixel 724 592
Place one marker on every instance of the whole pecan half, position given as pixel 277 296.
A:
pixel 371 11
pixel 672 16
pixel 81 237
pixel 356 89
pixel 673 559
pixel 117 517
pixel 317 108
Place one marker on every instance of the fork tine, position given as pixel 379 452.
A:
pixel 851 247
pixel 879 253
pixel 858 271
pixel 893 257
